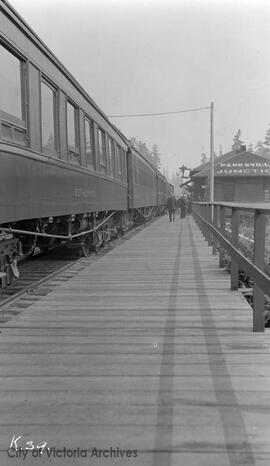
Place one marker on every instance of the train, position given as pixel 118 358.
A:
pixel 67 173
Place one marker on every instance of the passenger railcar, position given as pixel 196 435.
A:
pixel 142 181
pixel 162 190
pixel 65 168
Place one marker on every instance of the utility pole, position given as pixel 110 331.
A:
pixel 212 155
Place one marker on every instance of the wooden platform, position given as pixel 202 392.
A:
pixel 145 349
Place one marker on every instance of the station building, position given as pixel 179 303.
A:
pixel 239 176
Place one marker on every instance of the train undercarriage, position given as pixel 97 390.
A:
pixel 84 233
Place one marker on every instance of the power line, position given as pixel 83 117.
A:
pixel 160 113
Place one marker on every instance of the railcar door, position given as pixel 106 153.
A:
pixel 130 191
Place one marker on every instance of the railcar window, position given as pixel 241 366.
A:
pixel 73 133
pixel 89 144
pixel 48 123
pixel 102 150
pixel 124 165
pixel 118 163
pixel 111 158
pixel 10 83
pixel 12 112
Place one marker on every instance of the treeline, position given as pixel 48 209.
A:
pixel 261 148
pixel 152 155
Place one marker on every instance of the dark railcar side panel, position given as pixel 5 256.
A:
pixel 45 186
pixel 162 190
pixel 34 188
pixel 130 180
pixel 141 195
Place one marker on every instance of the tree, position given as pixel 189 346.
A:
pixel 250 148
pixel 237 143
pixel 204 158
pixel 165 172
pixel 175 181
pixel 266 142
pixel 142 148
pixel 153 157
pixel 260 149
pixel 267 138
pixel 156 156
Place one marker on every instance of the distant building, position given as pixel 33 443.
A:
pixel 240 176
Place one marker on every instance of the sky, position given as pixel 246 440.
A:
pixel 153 56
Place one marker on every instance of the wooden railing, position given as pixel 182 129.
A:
pixel 220 225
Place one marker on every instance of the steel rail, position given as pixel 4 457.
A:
pixel 35 284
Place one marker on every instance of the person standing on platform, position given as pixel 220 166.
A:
pixel 171 206
pixel 182 204
pixel 189 205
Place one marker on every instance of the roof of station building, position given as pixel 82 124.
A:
pixel 235 164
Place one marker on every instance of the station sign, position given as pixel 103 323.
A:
pixel 243 168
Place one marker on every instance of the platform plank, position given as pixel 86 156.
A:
pixel 144 349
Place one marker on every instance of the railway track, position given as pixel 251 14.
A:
pixel 37 277
pixel 42 273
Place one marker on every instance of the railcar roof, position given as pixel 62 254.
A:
pixel 8 8
pixel 16 17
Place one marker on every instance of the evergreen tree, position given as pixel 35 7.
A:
pixel 144 150
pixel 204 158
pixel 156 156
pixel 250 148
pixel 260 149
pixel 175 181
pixel 237 143
pixel 153 157
pixel 165 172
pixel 266 143
pixel 133 142
pixel 267 138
